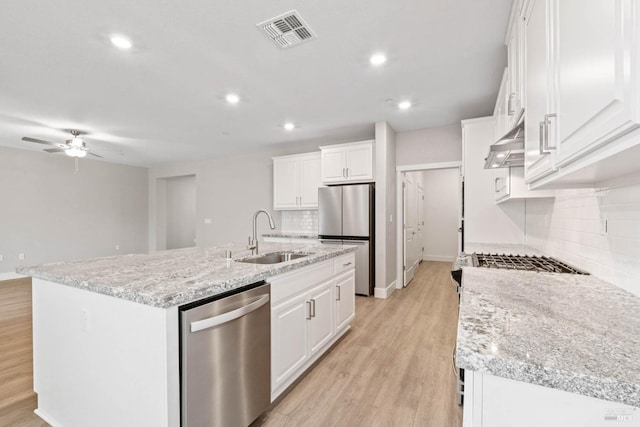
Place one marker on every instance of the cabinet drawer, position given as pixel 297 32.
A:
pixel 344 263
pixel 291 283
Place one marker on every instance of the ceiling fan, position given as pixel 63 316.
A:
pixel 74 147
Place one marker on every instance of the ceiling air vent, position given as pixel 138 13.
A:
pixel 288 29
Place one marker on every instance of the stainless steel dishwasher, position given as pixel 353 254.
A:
pixel 225 359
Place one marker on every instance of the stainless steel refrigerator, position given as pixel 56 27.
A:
pixel 346 216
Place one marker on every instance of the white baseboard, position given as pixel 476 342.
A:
pixel 10 275
pixel 385 292
pixel 441 258
pixel 47 418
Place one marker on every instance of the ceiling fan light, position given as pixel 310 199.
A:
pixel 76 142
pixel 75 152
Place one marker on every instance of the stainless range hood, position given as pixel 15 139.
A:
pixel 509 150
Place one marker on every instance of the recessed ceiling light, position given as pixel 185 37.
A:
pixel 404 105
pixel 495 165
pixel 289 126
pixel 121 42
pixel 232 98
pixel 378 59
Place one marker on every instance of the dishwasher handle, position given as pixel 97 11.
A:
pixel 230 315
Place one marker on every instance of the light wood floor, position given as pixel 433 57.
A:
pixel 393 368
pixel 17 399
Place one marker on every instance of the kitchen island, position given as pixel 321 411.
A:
pixel 106 330
pixel 546 348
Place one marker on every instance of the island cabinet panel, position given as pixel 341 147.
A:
pixel 94 355
pixel 289 338
pixel 492 401
pixel 345 298
pixel 304 314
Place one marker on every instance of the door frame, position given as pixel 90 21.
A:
pixel 400 209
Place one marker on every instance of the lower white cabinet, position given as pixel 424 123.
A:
pixel 345 287
pixel 310 309
pixel 491 401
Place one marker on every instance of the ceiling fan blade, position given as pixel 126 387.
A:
pixel 39 141
pixel 53 150
pixel 94 154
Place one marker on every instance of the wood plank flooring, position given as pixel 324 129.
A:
pixel 392 369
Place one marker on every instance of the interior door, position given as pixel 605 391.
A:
pixel 420 242
pixel 410 228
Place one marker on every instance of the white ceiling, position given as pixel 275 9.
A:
pixel 163 101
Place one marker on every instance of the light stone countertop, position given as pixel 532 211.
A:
pixel 291 235
pixel 175 277
pixel 570 332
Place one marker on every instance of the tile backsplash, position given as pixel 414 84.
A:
pixel 597 230
pixel 300 221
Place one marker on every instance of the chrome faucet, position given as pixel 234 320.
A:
pixel 253 241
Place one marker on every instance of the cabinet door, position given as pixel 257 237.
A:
pixel 360 162
pixel 515 63
pixel 596 64
pixel 345 299
pixel 310 180
pixel 321 324
pixel 285 183
pixel 289 329
pixel 500 111
pixel 334 163
pixel 538 163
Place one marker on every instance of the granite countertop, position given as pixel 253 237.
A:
pixel 175 277
pixel 570 332
pixel 291 235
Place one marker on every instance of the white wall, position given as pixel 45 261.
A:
pixel 228 192
pixel 181 211
pixel 484 220
pixel 441 195
pixel 570 227
pixel 50 214
pixel 385 207
pixel 431 145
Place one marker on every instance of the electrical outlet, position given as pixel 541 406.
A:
pixel 21 257
pixel 390 217
pixel 207 220
pixel 1 257
pixel 85 319
pixel 117 247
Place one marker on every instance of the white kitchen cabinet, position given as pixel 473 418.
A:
pixel 345 291
pixel 321 316
pixel 295 181
pixel 511 186
pixel 492 401
pixel 515 64
pixel 303 318
pixel 582 97
pixel 347 163
pixel 289 338
pixel 500 111
pixel 539 161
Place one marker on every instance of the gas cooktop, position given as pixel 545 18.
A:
pixel 524 262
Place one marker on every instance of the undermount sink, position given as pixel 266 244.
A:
pixel 273 258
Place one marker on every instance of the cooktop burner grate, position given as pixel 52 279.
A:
pixel 524 262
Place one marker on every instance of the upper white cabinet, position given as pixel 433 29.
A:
pixel 510 185
pixel 515 61
pixel 501 112
pixel 295 181
pixel 582 91
pixel 346 163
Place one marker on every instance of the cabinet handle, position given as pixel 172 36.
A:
pixel 545 145
pixel 540 138
pixel 338 296
pixel 313 308
pixel 346 264
pixel 309 310
pixel 495 185
pixel 347 172
pixel 511 110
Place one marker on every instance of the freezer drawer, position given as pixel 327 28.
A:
pixel 363 264
pixel 225 362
